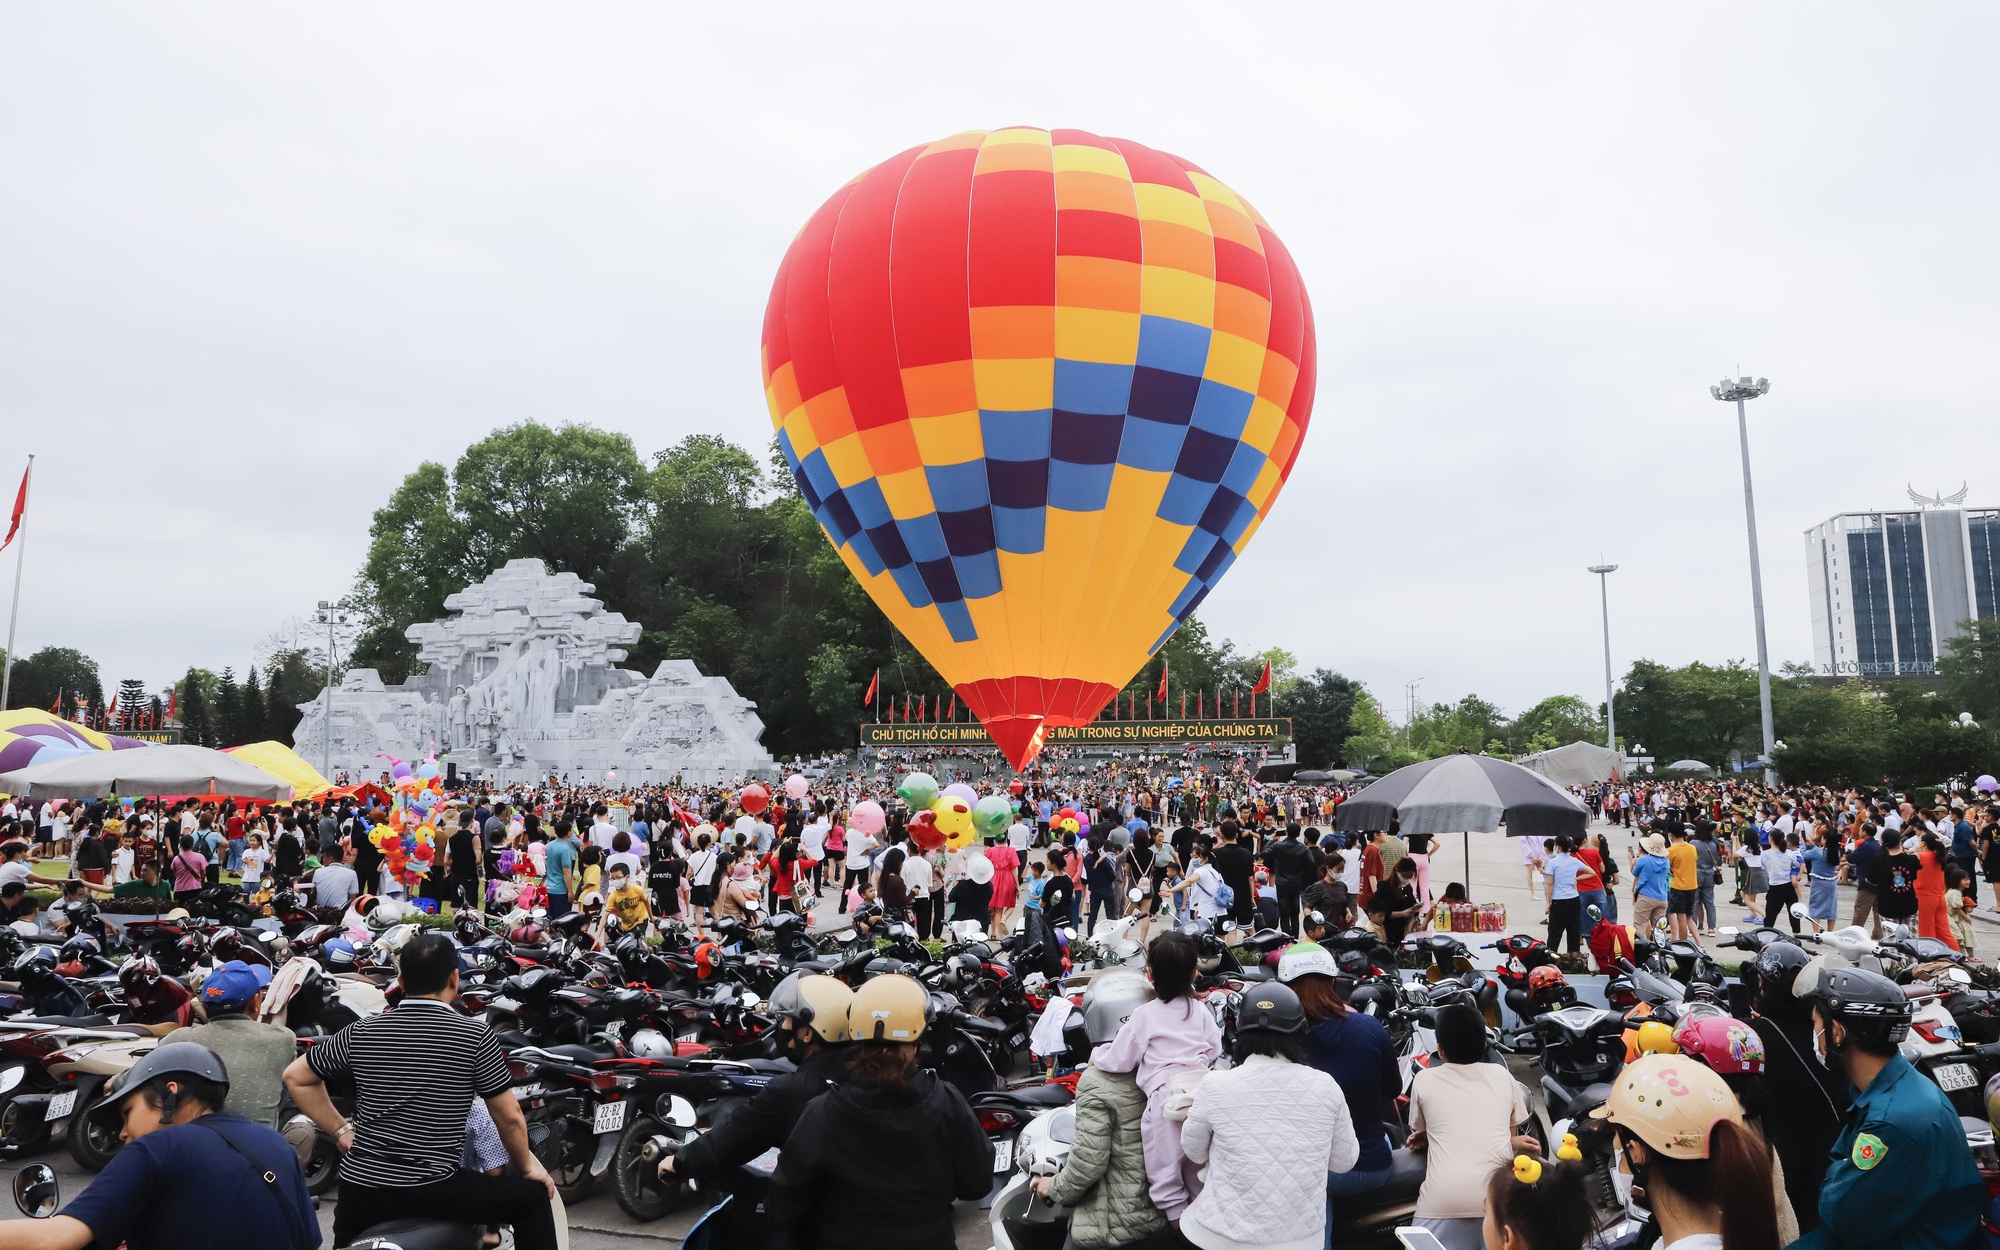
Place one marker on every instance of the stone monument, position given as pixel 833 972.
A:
pixel 522 682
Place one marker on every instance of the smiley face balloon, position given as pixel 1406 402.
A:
pixel 954 818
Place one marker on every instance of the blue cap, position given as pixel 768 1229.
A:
pixel 234 984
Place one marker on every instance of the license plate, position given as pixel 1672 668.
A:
pixel 1951 1076
pixel 60 1106
pixel 1003 1154
pixel 530 1091
pixel 608 1118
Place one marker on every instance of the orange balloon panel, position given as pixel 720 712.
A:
pixel 1039 388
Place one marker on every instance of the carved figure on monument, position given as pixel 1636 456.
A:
pixel 516 647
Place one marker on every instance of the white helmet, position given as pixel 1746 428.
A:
pixel 1305 959
pixel 1110 1000
pixel 650 1044
pixel 393 941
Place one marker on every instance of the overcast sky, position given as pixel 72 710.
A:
pixel 260 261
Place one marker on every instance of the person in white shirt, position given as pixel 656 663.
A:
pixel 1464 1117
pixel 14 865
pixel 334 883
pixel 121 863
pixel 255 856
pixel 1018 837
pixel 917 875
pixel 602 831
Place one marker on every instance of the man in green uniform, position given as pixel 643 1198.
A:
pixel 1901 1173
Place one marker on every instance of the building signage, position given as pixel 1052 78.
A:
pixel 1261 731
pixel 1893 668
pixel 167 737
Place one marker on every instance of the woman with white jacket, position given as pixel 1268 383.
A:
pixel 1269 1130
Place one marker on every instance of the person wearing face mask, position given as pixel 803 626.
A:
pixel 1812 1100
pixel 1900 1173
pixel 811 1013
pixel 1703 1172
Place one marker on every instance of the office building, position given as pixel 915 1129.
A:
pixel 1889 589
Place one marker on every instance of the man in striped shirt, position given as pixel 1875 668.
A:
pixel 416 1069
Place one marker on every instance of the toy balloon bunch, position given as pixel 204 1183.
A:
pixel 942 818
pixel 408 839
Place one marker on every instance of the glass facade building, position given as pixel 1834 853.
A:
pixel 1889 589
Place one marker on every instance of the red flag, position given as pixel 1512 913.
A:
pixel 1162 696
pixel 923 709
pixel 906 707
pixel 874 684
pixel 1263 684
pixel 1235 702
pixel 953 715
pixel 112 715
pixel 58 702
pixel 173 703
pixel 20 507
pixel 1183 705
pixel 1200 711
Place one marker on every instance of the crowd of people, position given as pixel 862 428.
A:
pixel 1265 1151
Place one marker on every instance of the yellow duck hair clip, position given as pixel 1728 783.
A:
pixel 1527 1170
pixel 1568 1151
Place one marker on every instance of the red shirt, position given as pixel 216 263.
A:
pixel 1371 872
pixel 1588 878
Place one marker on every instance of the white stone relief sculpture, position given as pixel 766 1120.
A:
pixel 503 690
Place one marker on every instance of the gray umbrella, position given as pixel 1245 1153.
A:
pixel 1465 793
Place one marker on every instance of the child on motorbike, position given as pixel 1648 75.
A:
pixel 1172 1036
pixel 1536 1205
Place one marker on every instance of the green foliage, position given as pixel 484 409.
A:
pixel 53 673
pixel 254 728
pixel 1971 667
pixel 1699 711
pixel 1321 706
pixel 1556 721
pixel 229 711
pixel 197 723
pixel 1372 742
pixel 290 678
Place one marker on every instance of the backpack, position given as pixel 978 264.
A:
pixel 1222 894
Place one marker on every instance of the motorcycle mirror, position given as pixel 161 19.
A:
pixel 845 936
pixel 1958 976
pixel 36 1191
pixel 1800 911
pixel 1135 894
pixel 1728 930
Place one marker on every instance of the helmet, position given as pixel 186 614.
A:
pixel 1655 1038
pixel 961 970
pixel 650 1044
pixel 1546 977
pixel 1777 969
pixel 526 934
pixel 1109 1002
pixel 226 945
pixel 1371 1000
pixel 139 974
pixel 338 953
pixel 364 904
pixel 820 1003
pixel 1869 1004
pixel 166 1059
pixel 1271 1008
pixel 892 1008
pixel 1671 1103
pixel 706 956
pixel 1305 959
pixel 395 939
pixel 590 901
pixel 1727 1045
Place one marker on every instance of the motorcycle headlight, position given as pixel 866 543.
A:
pixel 10 1078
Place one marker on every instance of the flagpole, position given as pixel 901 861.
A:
pixel 20 560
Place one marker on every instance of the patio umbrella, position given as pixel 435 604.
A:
pixel 1465 794
pixel 146 771
pixel 1689 766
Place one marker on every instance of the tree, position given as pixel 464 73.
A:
pixel 1971 670
pixel 1374 744
pixel 197 725
pixel 1322 709
pixel 1554 722
pixel 55 677
pixel 1699 711
pixel 228 711
pixel 291 678
pixel 254 728
pixel 1930 752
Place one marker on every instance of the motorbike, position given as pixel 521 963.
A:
pixel 1449 963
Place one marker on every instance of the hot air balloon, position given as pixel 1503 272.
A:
pixel 1015 368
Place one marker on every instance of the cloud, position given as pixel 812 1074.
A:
pixel 266 261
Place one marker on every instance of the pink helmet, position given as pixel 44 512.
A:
pixel 1727 1045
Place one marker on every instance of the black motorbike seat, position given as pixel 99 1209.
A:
pixel 1045 1095
pixel 1255 972
pixel 60 1022
pixel 583 1053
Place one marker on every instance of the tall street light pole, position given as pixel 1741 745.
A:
pixel 1739 392
pixel 1603 572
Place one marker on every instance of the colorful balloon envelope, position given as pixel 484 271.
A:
pixel 1039 388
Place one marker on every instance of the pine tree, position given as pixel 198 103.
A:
pixel 228 711
pixel 195 722
pixel 131 702
pixel 255 728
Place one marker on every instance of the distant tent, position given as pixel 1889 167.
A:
pixel 1578 764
